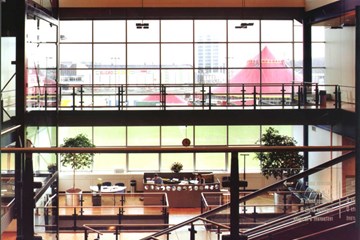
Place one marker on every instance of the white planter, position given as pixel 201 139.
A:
pixel 72 197
pixel 281 199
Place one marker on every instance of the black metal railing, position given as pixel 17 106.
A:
pixel 182 96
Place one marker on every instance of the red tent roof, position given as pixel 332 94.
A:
pixel 170 99
pixel 273 71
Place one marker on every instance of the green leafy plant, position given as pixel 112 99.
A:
pixel 176 167
pixel 77 160
pixel 282 163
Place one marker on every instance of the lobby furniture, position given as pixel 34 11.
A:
pixel 182 189
pixel 107 190
pixel 180 196
pixel 106 184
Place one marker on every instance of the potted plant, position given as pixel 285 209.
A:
pixel 176 167
pixel 76 161
pixel 51 167
pixel 280 164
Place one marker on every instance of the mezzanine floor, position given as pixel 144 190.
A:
pixel 176 215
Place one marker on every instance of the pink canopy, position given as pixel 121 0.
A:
pixel 273 71
pixel 170 99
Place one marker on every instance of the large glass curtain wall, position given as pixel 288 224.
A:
pixel 201 52
pixel 158 136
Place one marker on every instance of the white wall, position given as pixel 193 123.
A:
pixel 329 181
pixel 340 61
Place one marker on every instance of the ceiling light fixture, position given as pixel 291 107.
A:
pixel 244 24
pixel 142 25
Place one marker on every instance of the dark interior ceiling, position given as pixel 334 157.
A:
pixel 347 19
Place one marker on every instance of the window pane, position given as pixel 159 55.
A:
pixel 243 135
pixel 143 35
pixel 184 29
pixel 143 56
pixel 210 135
pixel 143 136
pixel 284 75
pixel 75 55
pixel 210 30
pixel 76 31
pixel 109 162
pixel 248 34
pixel 298 31
pixel 37 135
pixel 173 135
pixel 109 31
pixel 318 75
pixel 39 30
pixel 244 76
pixel 143 162
pixel 42 55
pixel 317 33
pixel 143 76
pixel 41 161
pixel 298 54
pixel 7 161
pixel 177 76
pixel 167 159
pixel 276 30
pixel 240 54
pixel 210 55
pixel 211 76
pixel 177 55
pixel 75 77
pixel 110 136
pixel 210 161
pixel 68 132
pixel 318 54
pixel 109 56
pixel 109 76
pixel 42 137
pixel 252 165
pixel 277 55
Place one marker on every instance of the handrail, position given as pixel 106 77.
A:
pixel 285 221
pixel 117 208
pixel 9 204
pixel 307 215
pixel 11 129
pixel 178 149
pixel 92 229
pixel 214 223
pixel 201 96
pixel 319 233
pixel 294 215
pixel 50 200
pixel 259 192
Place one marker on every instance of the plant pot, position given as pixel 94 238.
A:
pixel 73 196
pixel 52 169
pixel 282 198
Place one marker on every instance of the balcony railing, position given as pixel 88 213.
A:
pixel 182 96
